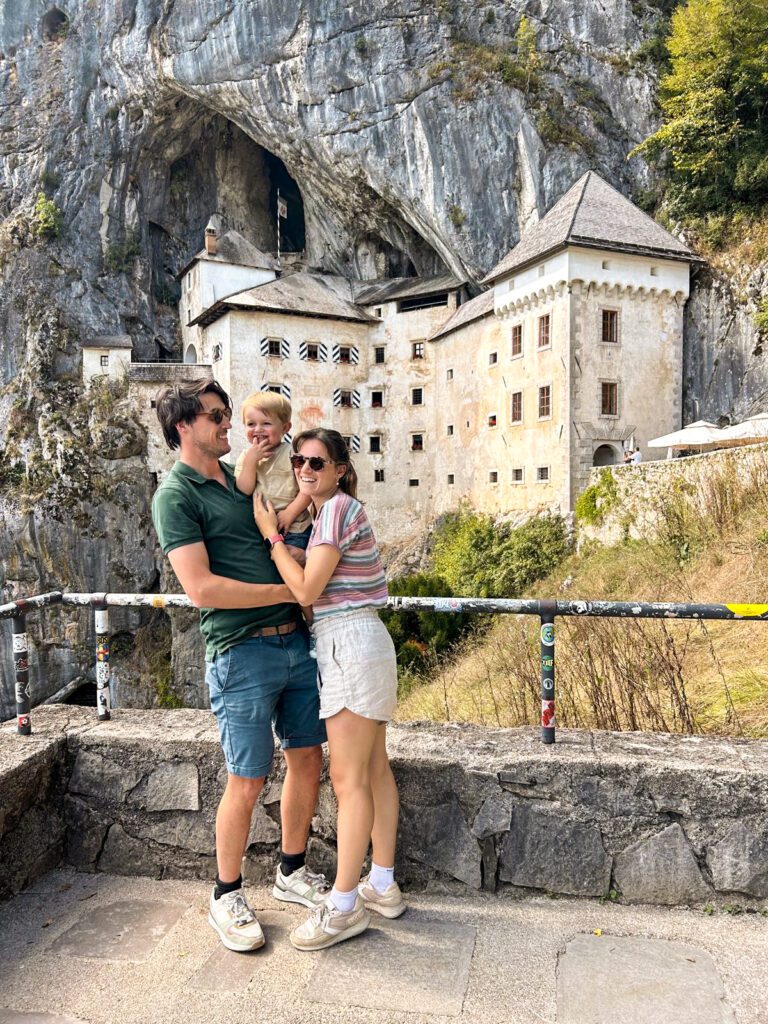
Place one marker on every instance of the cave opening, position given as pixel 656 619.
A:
pixel 54 25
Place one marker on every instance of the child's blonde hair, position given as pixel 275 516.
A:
pixel 268 401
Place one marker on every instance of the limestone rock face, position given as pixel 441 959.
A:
pixel 400 133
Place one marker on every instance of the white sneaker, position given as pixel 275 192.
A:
pixel 327 926
pixel 235 922
pixel 389 903
pixel 302 886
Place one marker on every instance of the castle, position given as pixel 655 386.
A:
pixel 508 399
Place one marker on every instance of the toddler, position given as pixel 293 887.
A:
pixel 264 470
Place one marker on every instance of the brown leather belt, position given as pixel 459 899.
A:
pixel 287 627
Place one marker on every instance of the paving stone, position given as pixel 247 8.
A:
pixel 624 980
pixel 227 971
pixel 416 966
pixel 127 930
pixel 661 869
pixel 11 1017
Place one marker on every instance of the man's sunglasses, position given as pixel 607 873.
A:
pixel 315 462
pixel 217 415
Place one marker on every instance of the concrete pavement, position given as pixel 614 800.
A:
pixel 104 949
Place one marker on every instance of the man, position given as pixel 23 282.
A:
pixel 637 457
pixel 258 670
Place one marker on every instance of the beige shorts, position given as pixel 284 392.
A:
pixel 356 665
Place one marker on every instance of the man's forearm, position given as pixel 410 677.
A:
pixel 222 592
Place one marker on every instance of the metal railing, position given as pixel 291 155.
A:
pixel 546 611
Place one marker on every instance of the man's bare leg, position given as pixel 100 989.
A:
pixel 233 823
pixel 299 799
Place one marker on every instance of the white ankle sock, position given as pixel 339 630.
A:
pixel 343 901
pixel 381 878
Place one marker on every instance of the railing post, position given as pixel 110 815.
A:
pixel 547 637
pixel 21 666
pixel 101 617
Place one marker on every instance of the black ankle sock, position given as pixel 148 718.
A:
pixel 222 888
pixel 290 862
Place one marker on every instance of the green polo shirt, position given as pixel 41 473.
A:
pixel 188 508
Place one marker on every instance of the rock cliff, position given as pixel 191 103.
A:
pixel 402 134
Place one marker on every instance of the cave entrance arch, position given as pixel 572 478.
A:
pixel 605 455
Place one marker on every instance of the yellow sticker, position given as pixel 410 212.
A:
pixel 748 609
pixel 158 602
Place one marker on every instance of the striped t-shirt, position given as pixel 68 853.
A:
pixel 358 580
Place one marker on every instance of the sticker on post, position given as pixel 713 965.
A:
pixel 548 714
pixel 548 634
pixel 447 604
pixel 102 673
pixel 19 642
pixel 102 620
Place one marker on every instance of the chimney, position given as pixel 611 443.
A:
pixel 211 241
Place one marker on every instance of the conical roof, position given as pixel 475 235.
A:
pixel 594 214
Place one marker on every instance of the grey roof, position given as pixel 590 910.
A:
pixel 302 294
pixel 368 293
pixel 467 313
pixel 233 248
pixel 595 214
pixel 109 341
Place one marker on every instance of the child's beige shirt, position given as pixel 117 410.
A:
pixel 275 479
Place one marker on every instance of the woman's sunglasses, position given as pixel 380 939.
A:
pixel 217 415
pixel 315 462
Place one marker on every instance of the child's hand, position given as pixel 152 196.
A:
pixel 265 516
pixel 284 521
pixel 257 453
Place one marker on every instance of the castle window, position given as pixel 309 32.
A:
pixel 276 389
pixel 517 475
pixel 378 476
pixel 654 271
pixel 545 402
pixel 413 482
pixel 609 398
pixel 610 326
pixel 345 399
pixel 516 411
pixel 104 362
pixel 542 474
pixel 274 347
pixel 417 350
pixel 449 374
pixel 377 399
pixel 374 444
pixel 417 396
pixel 544 331
pixel 450 430
pixel 377 311
pixel 517 340
pixel 378 354
pixel 493 358
pixel 606 265
pixel 493 477
pixel 492 419
pixel 451 479
pixel 417 442
pixel 313 352
pixel 423 302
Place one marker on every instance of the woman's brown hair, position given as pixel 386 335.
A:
pixel 338 452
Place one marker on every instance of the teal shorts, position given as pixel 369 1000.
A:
pixel 261 684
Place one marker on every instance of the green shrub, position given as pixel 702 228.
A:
pixel 46 219
pixel 419 634
pixel 457 215
pixel 120 255
pixel 597 499
pixel 760 318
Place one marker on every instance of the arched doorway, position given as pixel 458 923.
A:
pixel 605 455
pixel 190 354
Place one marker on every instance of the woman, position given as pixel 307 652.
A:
pixel 343 580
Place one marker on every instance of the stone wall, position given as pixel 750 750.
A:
pixel 661 819
pixel 643 492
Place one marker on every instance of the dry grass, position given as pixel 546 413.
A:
pixel 675 676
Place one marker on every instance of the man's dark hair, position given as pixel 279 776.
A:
pixel 180 403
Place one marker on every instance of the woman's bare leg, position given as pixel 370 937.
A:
pixel 351 742
pixel 386 803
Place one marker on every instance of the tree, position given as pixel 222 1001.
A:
pixel 528 57
pixel 715 107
